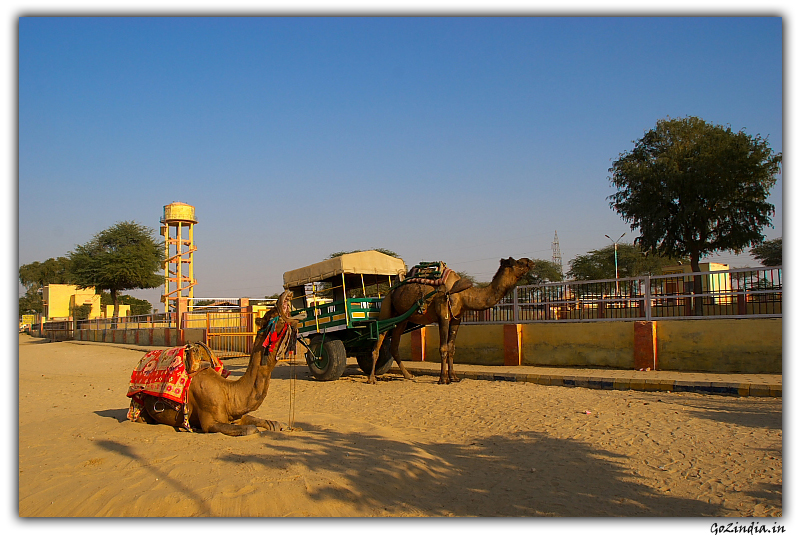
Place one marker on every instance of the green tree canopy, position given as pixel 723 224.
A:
pixel 37 275
pixel 543 271
pixel 139 307
pixel 692 188
pixel 632 261
pixel 51 271
pixel 122 257
pixel 769 253
pixel 379 249
pixel 31 303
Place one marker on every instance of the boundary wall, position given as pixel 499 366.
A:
pixel 751 345
pixel 714 345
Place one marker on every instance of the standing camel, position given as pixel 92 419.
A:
pixel 219 405
pixel 445 310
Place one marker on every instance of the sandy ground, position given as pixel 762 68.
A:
pixel 399 448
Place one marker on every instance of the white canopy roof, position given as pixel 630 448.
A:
pixel 364 262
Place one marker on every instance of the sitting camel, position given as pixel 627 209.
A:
pixel 445 309
pixel 219 405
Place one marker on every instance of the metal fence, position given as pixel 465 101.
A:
pixel 146 321
pixel 734 293
pixel 57 330
pixel 228 333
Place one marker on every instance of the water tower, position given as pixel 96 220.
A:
pixel 177 228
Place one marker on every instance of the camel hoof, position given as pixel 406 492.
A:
pixel 272 425
pixel 454 379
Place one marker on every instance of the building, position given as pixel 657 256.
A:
pixel 712 283
pixel 60 300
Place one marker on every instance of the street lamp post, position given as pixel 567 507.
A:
pixel 617 288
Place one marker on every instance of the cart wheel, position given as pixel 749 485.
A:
pixel 328 359
pixel 365 360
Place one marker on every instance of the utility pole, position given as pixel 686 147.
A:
pixel 617 287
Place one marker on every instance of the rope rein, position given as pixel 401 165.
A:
pixel 292 392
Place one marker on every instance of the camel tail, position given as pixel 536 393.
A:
pixel 386 307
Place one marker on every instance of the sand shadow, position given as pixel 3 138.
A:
pixel 126 451
pixel 747 415
pixel 121 415
pixel 532 473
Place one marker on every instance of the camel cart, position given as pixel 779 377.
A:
pixel 337 302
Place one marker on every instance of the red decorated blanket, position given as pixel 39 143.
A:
pixel 162 373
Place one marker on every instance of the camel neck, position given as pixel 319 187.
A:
pixel 488 296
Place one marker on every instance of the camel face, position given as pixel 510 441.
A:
pixel 278 343
pixel 520 267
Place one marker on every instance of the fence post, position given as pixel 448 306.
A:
pixel 512 347
pixel 246 311
pixel 515 306
pixel 418 344
pixel 181 308
pixel 647 294
pixel 645 345
pixel 742 310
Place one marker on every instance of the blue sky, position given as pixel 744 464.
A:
pixel 456 139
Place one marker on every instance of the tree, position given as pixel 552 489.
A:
pixel 139 307
pixel 37 275
pixel 543 271
pixel 379 249
pixel 692 188
pixel 632 261
pixel 51 271
pixel 31 303
pixel 122 257
pixel 769 253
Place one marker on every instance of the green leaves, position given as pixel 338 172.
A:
pixel 543 271
pixel 632 261
pixel 692 188
pixel 122 257
pixel 769 253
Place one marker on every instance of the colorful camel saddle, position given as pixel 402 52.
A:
pixel 438 275
pixel 167 374
pixel 430 273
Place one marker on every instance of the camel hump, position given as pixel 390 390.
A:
pixel 460 285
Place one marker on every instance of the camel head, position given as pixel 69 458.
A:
pixel 515 268
pixel 281 330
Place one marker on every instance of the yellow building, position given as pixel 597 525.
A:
pixel 107 311
pixel 61 299
pixel 713 283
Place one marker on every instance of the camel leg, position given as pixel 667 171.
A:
pixel 157 411
pixel 452 330
pixel 397 332
pixel 269 425
pixel 209 425
pixel 232 430
pixel 444 327
pixel 376 349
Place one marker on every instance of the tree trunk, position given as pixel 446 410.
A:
pixel 697 285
